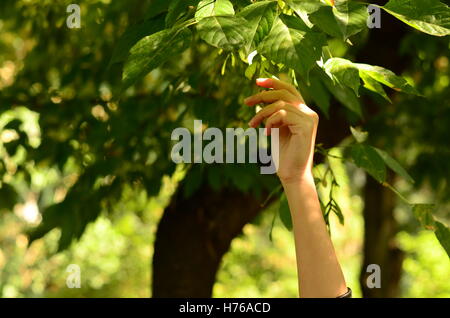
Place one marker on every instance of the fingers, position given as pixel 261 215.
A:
pixel 273 108
pixel 271 96
pixel 276 120
pixel 276 84
pixel 287 106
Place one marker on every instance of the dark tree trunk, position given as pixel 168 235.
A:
pixel 380 226
pixel 192 237
pixel 380 247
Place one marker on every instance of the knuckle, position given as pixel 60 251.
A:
pixel 314 116
pixel 308 111
pixel 283 113
pixel 292 108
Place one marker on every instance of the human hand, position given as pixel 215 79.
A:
pixel 285 109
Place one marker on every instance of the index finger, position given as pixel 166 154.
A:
pixel 276 84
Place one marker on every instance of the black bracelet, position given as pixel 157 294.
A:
pixel 348 294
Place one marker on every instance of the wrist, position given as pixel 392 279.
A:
pixel 296 179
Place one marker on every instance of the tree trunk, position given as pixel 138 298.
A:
pixel 380 248
pixel 380 227
pixel 192 237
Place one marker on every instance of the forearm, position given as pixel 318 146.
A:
pixel 318 268
pixel 319 272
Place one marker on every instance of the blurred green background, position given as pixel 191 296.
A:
pixel 114 256
pixel 104 164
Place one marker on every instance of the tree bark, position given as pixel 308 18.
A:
pixel 193 235
pixel 380 226
pixel 380 229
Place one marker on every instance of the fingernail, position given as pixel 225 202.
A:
pixel 261 79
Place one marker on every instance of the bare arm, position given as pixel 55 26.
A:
pixel 318 268
pixel 319 272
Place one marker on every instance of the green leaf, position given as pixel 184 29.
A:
pixel 152 51
pixel 293 44
pixel 284 212
pixel 225 32
pixel 443 235
pixel 351 17
pixel 359 135
pixel 342 20
pixel 344 95
pixel 319 94
pixel 209 8
pixel 367 157
pixel 374 86
pixel 394 165
pixel 260 17
pixel 424 213
pixel 343 72
pixel 176 9
pixel 303 8
pixel 348 74
pixel 428 16
pixel 338 212
pixel 251 70
pixel 134 34
pixel 218 26
pixel 386 77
